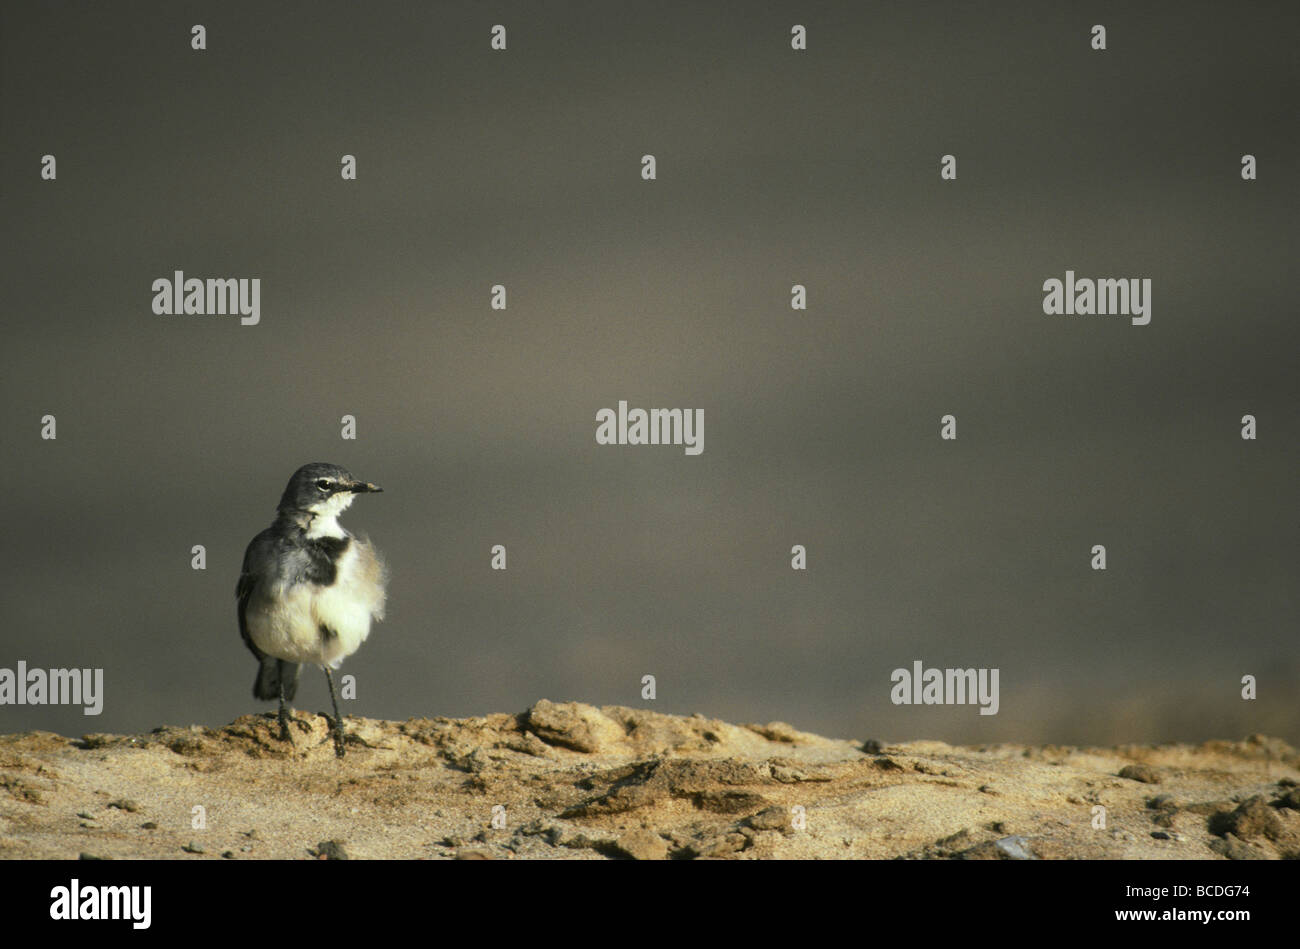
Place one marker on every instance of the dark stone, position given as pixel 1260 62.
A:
pixel 330 850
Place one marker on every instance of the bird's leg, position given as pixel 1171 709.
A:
pixel 285 734
pixel 338 719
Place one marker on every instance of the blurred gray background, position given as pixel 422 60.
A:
pixel 821 428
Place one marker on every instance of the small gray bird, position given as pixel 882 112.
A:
pixel 308 589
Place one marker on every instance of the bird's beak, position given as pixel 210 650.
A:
pixel 363 487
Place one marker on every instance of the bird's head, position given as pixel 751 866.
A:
pixel 322 490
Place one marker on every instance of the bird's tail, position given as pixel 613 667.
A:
pixel 271 675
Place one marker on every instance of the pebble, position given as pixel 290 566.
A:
pixel 642 845
pixel 1140 772
pixel 1017 848
pixel 772 818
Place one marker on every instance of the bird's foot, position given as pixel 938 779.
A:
pixel 340 738
pixel 285 733
pixel 288 718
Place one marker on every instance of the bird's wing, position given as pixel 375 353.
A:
pixel 244 592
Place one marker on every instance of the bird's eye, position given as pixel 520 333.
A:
pixel 323 484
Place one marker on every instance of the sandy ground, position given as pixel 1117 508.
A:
pixel 570 781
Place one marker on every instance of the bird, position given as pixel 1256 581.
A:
pixel 309 589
